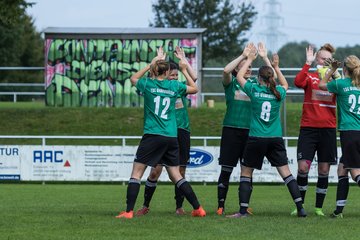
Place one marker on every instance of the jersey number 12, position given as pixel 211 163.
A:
pixel 165 103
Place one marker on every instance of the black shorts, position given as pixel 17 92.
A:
pixel 320 140
pixel 184 146
pixel 350 148
pixel 233 141
pixel 156 148
pixel 257 148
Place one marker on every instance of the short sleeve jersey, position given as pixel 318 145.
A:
pixel 159 105
pixel 181 112
pixel 238 106
pixel 348 103
pixel 265 110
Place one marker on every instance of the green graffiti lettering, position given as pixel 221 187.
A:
pixel 151 49
pixel 118 45
pixel 56 52
pixel 125 71
pixel 144 50
pixel 126 51
pixel 97 71
pixel 135 51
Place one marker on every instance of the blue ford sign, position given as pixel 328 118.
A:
pixel 199 158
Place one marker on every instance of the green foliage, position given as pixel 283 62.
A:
pixel 11 11
pixel 226 24
pixel 85 211
pixel 343 52
pixel 292 55
pixel 20 44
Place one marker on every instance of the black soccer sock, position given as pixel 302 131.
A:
pixel 357 180
pixel 187 190
pixel 150 187
pixel 341 193
pixel 179 197
pixel 132 193
pixel 302 181
pixel 294 191
pixel 245 190
pixel 321 190
pixel 223 185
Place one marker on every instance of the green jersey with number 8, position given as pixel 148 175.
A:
pixel 159 105
pixel 348 103
pixel 265 110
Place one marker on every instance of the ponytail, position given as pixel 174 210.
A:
pixel 267 75
pixel 273 89
pixel 352 64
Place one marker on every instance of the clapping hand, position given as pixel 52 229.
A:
pixel 310 55
pixel 262 50
pixel 247 49
pixel 275 60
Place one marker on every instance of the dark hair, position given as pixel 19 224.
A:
pixel 174 66
pixel 266 73
pixel 235 72
pixel 159 67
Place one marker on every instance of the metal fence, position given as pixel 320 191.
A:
pixel 211 84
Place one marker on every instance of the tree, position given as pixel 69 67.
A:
pixel 226 24
pixel 10 10
pixel 20 43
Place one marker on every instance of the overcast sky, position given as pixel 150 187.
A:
pixel 316 21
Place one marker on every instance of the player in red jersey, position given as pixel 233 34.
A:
pixel 318 126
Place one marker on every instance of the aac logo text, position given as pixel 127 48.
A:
pixel 47 156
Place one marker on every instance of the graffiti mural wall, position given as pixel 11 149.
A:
pixel 96 72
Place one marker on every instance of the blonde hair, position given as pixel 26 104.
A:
pixel 352 64
pixel 159 68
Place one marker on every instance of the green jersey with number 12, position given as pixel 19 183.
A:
pixel 265 110
pixel 159 105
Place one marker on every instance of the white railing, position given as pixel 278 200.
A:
pixel 123 139
pixel 15 94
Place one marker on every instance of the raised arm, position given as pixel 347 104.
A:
pixel 334 64
pixel 136 76
pixel 301 76
pixel 263 54
pixel 250 58
pixel 281 78
pixel 180 54
pixel 191 87
pixel 234 63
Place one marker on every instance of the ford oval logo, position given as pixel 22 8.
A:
pixel 199 158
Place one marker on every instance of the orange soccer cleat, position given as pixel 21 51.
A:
pixel 125 215
pixel 200 212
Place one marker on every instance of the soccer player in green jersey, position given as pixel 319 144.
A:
pixel 236 122
pixel 265 136
pixel 159 141
pixel 183 129
pixel 347 93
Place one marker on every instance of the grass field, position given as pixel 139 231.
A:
pixel 83 211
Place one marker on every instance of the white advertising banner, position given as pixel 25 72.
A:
pixel 9 163
pixel 114 163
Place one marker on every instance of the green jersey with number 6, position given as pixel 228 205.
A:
pixel 348 103
pixel 238 106
pixel 265 110
pixel 159 105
